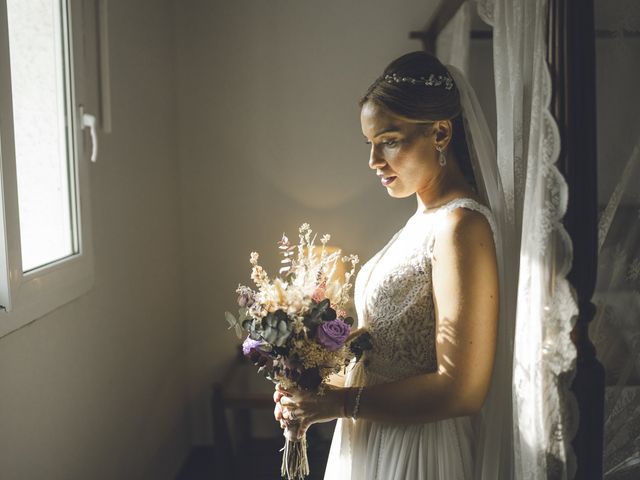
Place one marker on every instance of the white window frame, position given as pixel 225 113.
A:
pixel 25 297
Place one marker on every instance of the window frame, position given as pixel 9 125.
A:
pixel 25 297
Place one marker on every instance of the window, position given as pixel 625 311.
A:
pixel 45 235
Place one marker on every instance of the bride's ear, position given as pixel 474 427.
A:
pixel 443 131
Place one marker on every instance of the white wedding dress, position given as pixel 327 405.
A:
pixel 393 298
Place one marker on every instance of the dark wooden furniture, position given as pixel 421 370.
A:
pixel 238 454
pixel 428 35
pixel 571 59
pixel 241 392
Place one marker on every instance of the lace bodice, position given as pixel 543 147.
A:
pixel 393 298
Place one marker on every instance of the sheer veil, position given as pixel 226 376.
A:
pixel 493 425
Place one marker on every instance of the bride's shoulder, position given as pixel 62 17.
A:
pixel 464 220
pixel 463 231
pixel 466 213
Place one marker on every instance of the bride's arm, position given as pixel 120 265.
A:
pixel 465 290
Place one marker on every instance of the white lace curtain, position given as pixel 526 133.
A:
pixel 539 251
pixel 615 329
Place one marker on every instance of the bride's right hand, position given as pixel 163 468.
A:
pixel 277 411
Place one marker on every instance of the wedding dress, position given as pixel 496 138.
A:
pixel 394 300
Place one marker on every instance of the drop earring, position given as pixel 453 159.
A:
pixel 442 158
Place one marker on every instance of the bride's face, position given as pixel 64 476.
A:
pixel 403 154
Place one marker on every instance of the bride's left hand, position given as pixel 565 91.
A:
pixel 306 408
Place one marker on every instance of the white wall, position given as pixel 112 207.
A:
pixel 96 389
pixel 269 138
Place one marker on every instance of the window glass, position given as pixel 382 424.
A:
pixel 42 106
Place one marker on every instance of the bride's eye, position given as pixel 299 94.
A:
pixel 390 143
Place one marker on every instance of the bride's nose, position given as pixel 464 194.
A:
pixel 375 159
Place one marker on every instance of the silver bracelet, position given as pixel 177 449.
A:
pixel 356 407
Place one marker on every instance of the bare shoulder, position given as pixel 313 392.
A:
pixel 465 231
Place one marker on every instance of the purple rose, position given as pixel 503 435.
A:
pixel 250 344
pixel 332 334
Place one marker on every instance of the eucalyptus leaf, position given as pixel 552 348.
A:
pixel 230 318
pixel 249 324
pixel 276 328
pixel 238 331
pixel 233 323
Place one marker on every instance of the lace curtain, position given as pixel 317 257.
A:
pixel 615 329
pixel 540 250
pixel 544 409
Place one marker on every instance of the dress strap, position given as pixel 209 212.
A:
pixel 468 203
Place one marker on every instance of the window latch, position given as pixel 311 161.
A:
pixel 89 121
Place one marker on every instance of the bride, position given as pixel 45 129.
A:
pixel 432 399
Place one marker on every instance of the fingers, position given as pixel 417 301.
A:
pixel 286 409
pixel 277 412
pixel 279 388
pixel 292 414
pixel 287 402
pixel 282 411
pixel 279 393
pixel 301 422
pixel 284 415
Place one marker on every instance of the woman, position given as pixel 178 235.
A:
pixel 417 406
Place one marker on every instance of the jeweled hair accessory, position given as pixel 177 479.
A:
pixel 430 81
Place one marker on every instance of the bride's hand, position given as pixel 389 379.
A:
pixel 307 408
pixel 277 411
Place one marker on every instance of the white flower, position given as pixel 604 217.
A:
pixel 298 324
pixel 304 228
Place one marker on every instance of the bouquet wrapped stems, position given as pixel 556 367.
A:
pixel 295 464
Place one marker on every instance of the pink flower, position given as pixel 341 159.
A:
pixel 319 293
pixel 246 296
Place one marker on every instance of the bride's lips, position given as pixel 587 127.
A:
pixel 386 181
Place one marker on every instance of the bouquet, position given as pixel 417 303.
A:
pixel 298 330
